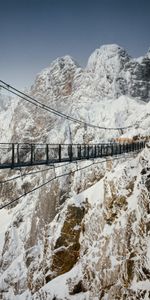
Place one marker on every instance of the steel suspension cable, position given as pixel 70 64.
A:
pixel 39 104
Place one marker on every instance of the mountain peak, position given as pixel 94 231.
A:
pixel 57 78
pixel 66 59
pixel 110 48
pixel 108 55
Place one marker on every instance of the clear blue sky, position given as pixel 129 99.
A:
pixel 34 32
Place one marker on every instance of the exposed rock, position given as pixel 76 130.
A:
pixel 67 246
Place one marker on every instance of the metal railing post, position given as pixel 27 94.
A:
pixel 95 151
pixel 112 150
pixel 127 147
pixel 18 158
pixel 70 152
pixel 102 150
pixel 119 149
pixel 98 151
pixel 47 154
pixel 59 152
pixel 13 156
pixel 107 150
pixel 79 151
pixel 31 154
pixel 88 152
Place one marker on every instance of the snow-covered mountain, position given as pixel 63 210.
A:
pixel 108 92
pixel 88 232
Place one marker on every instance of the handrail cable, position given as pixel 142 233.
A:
pixel 59 176
pixel 31 173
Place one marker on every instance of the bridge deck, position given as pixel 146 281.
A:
pixel 23 155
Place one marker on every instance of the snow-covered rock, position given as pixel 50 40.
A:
pixel 96 218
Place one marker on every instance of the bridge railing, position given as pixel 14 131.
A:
pixel 15 155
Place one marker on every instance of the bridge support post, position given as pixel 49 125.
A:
pixel 88 152
pixel 79 151
pixel 135 145
pixel 120 149
pixel 59 153
pixel 70 152
pixel 84 152
pixel 112 150
pixel 32 154
pixel 107 150
pixel 13 156
pixel 18 158
pixel 47 154
pixel 98 149
pixel 95 151
pixel 140 145
pixel 102 150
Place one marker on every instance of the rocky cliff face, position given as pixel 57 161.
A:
pixel 119 74
pixel 94 244
pixel 135 79
pixel 111 258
